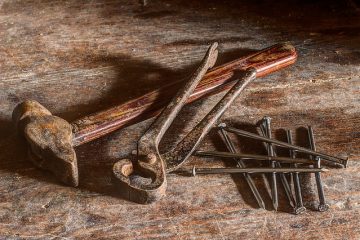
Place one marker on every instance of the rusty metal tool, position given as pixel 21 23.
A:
pixel 265 127
pixel 335 160
pixel 244 156
pixel 150 163
pixel 299 208
pixel 195 170
pixel 266 182
pixel 277 168
pixel 240 163
pixel 51 140
pixel 322 204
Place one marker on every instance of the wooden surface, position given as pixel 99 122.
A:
pixel 76 57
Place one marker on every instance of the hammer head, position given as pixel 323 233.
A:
pixel 49 140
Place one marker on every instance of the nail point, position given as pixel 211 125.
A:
pixel 275 205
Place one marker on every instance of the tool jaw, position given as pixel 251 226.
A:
pixel 185 148
pixel 149 162
pixel 125 172
pixel 49 140
pixel 142 180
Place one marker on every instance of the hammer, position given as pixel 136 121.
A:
pixel 51 139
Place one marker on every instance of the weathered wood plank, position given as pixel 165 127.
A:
pixel 77 57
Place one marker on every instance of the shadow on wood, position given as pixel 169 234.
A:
pixel 134 79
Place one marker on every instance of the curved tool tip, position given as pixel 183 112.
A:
pixel 213 46
pixel 131 179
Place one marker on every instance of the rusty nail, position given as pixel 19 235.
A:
pixel 241 164
pixel 193 171
pixel 299 208
pixel 336 160
pixel 322 204
pixel 265 127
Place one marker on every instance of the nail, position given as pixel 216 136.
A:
pixel 336 160
pixel 241 164
pixel 195 170
pixel 299 208
pixel 252 156
pixel 322 204
pixel 266 130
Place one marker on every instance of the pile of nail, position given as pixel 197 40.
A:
pixel 312 164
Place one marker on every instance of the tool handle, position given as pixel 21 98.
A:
pixel 149 105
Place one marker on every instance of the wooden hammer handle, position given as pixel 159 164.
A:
pixel 149 105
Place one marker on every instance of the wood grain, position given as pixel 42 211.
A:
pixel 79 57
pixel 151 104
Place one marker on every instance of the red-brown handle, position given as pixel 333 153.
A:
pixel 218 79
